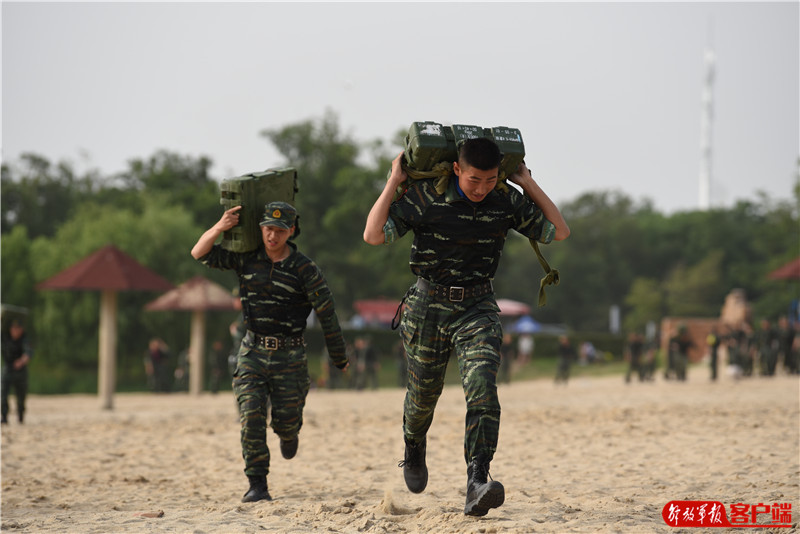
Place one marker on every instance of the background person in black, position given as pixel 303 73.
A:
pixel 156 363
pixel 368 365
pixel 566 354
pixel 17 353
pixel 679 347
pixel 714 340
pixel 633 353
pixel 786 335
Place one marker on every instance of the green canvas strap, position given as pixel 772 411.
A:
pixel 441 171
pixel 551 275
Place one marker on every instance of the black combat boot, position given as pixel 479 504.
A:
pixel 289 448
pixel 258 489
pixel 415 471
pixel 482 494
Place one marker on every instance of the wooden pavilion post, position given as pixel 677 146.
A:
pixel 107 366
pixel 196 350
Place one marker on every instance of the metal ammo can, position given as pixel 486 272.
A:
pixel 428 143
pixel 252 191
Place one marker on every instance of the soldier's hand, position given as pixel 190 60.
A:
pixel 229 219
pixel 398 174
pixel 523 174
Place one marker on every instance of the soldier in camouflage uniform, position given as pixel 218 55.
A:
pixel 278 288
pixel 458 239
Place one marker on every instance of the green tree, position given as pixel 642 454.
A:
pixel 598 262
pixel 15 261
pixel 358 270
pixel 182 181
pixel 645 303
pixel 39 195
pixel 696 291
pixel 319 151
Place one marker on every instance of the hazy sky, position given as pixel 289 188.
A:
pixel 607 95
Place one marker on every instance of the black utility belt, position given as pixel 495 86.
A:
pixel 454 293
pixel 274 342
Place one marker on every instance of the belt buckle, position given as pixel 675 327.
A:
pixel 270 343
pixel 455 294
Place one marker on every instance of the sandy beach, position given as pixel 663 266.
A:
pixel 596 455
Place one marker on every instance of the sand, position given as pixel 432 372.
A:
pixel 593 456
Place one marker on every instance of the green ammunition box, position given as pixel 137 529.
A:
pixel 462 132
pixel 428 143
pixel 252 191
pixel 510 142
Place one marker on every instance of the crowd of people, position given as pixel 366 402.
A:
pixel 166 371
pixel 763 350
pixel 745 350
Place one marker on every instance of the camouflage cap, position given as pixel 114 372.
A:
pixel 280 214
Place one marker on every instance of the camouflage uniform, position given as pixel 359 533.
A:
pixel 276 301
pixel 457 243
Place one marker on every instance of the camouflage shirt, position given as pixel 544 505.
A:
pixel 456 241
pixel 278 297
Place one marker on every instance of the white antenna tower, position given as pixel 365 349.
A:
pixel 704 194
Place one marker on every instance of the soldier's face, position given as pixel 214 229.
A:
pixel 475 183
pixel 275 237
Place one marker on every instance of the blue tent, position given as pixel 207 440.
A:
pixel 526 325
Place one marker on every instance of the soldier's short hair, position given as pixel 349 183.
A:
pixel 481 153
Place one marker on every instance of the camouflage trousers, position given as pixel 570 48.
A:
pixel 433 329
pixel 269 380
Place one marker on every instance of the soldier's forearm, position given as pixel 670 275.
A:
pixel 378 215
pixel 551 212
pixel 205 243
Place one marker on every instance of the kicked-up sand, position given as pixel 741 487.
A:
pixel 596 455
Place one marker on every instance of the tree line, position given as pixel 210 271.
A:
pixel 622 252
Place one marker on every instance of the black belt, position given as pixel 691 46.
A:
pixel 275 342
pixel 454 293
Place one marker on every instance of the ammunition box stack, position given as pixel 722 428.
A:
pixel 428 143
pixel 252 192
